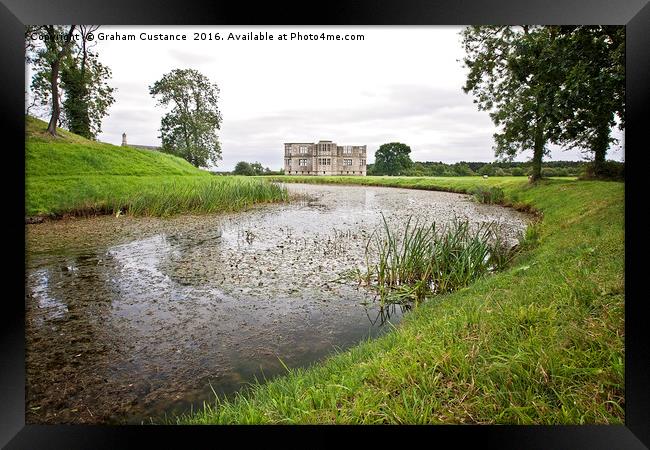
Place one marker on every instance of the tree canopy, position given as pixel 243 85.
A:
pixel 594 89
pixel 245 168
pixel 88 95
pixel 547 84
pixel 392 159
pixel 64 68
pixel 513 74
pixel 46 47
pixel 189 129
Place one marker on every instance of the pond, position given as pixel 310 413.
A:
pixel 132 318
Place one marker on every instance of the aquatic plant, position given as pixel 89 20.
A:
pixel 488 194
pixel 421 260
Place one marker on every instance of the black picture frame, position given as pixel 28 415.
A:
pixel 14 14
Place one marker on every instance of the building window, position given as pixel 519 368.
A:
pixel 302 162
pixel 363 162
pixel 347 162
pixel 347 149
pixel 303 149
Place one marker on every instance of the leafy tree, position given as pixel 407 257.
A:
pixel 392 159
pixel 88 95
pixel 244 168
pixel 516 75
pixel 257 168
pixel 65 69
pixel 189 129
pixel 594 90
pixel 46 56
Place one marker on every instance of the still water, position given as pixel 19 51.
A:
pixel 130 318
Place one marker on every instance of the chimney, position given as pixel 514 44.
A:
pixel 123 139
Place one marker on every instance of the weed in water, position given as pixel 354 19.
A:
pixel 488 194
pixel 421 260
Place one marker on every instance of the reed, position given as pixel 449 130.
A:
pixel 424 259
pixel 490 195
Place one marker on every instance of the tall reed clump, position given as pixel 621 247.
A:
pixel 202 196
pixel 423 260
pixel 488 194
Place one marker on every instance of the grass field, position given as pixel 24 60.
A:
pixel 72 175
pixel 539 343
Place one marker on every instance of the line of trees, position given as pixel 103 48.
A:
pixel 548 84
pixel 612 169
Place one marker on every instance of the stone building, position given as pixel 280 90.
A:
pixel 324 158
pixel 143 147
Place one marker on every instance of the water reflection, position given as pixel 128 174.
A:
pixel 384 313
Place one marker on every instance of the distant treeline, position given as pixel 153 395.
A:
pixel 502 169
pixel 463 169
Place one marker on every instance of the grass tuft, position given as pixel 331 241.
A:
pixel 490 195
pixel 422 261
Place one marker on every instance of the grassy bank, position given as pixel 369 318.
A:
pixel 541 342
pixel 72 175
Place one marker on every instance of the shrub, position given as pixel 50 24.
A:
pixel 611 170
pixel 548 172
pixel 244 168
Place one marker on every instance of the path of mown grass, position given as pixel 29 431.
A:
pixel 72 175
pixel 539 343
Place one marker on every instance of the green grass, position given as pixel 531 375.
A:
pixel 541 342
pixel 72 175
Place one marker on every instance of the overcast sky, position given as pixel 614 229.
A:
pixel 398 84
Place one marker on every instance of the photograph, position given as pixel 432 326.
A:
pixel 270 220
pixel 325 224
